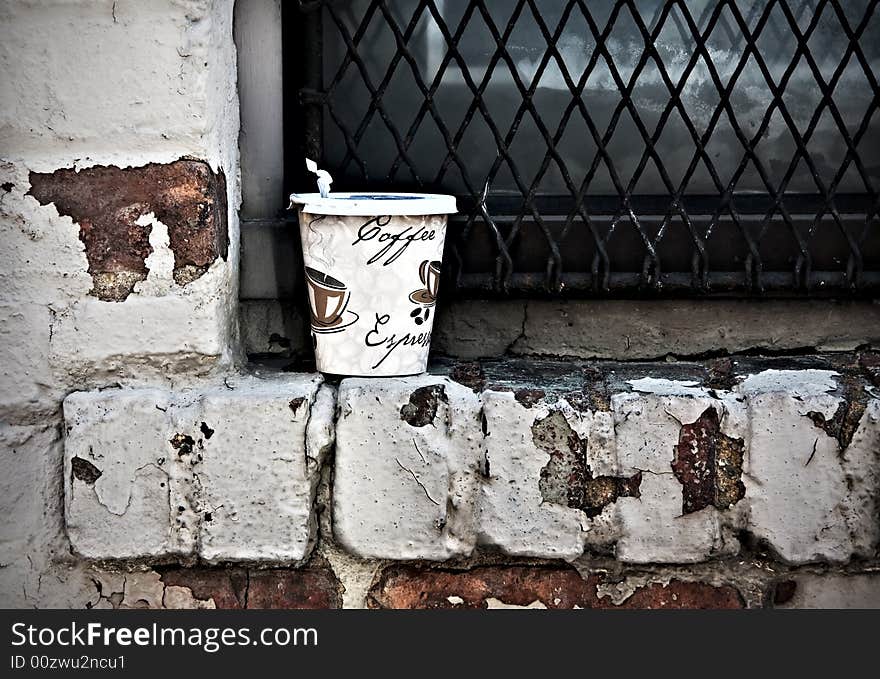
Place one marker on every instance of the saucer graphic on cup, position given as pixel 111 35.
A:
pixel 429 274
pixel 328 300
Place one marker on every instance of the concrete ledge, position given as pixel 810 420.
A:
pixel 621 330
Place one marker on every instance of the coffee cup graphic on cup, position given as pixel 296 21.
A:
pixel 429 274
pixel 328 300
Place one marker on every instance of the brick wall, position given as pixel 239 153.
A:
pixel 118 220
pixel 147 466
pixel 543 484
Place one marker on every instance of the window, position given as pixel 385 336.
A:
pixel 623 147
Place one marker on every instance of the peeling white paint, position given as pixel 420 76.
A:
pixel 513 514
pixel 182 598
pixel 802 383
pixel 402 491
pixel 72 106
pixel 143 590
pixel 664 387
pixel 807 500
pixel 239 488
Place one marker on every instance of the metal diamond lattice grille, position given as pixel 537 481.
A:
pixel 709 146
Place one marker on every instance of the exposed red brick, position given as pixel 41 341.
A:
pixel 421 409
pixel 275 588
pixel 708 464
pixel 410 587
pixel 554 587
pixel 226 586
pixel 678 594
pixel 106 201
pixel 308 588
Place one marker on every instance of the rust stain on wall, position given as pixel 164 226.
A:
pixel 106 201
pixel 708 464
pixel 567 479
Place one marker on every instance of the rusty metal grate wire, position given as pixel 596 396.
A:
pixel 612 147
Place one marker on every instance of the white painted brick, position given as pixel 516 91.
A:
pixel 861 464
pixel 402 491
pixel 380 508
pixel 514 517
pixel 30 503
pixel 654 530
pixel 648 423
pixel 129 511
pixel 251 474
pixel 254 478
pixel 809 500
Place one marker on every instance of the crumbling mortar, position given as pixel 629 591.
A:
pixel 344 566
pixel 320 498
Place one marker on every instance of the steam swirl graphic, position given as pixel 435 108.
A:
pixel 319 246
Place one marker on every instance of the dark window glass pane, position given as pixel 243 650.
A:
pixel 678 69
pixel 707 145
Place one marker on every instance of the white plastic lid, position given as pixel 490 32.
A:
pixel 374 204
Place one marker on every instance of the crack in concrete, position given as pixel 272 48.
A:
pixel 509 349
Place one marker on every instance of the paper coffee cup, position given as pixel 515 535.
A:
pixel 372 275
